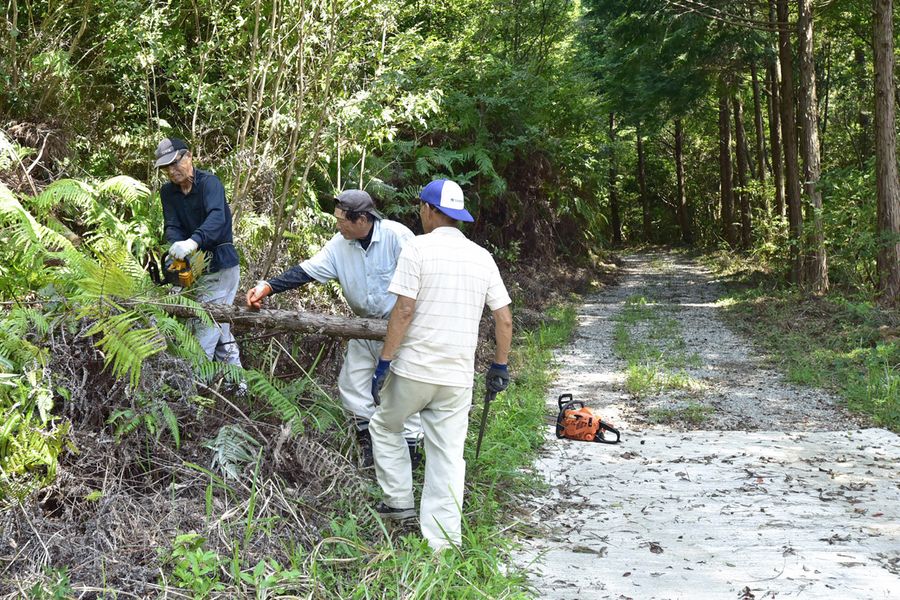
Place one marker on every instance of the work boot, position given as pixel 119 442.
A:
pixel 366 459
pixel 415 453
pixel 387 512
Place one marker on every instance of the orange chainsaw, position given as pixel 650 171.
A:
pixel 578 422
pixel 179 273
pixel 184 272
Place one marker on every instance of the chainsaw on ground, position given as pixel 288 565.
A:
pixel 578 422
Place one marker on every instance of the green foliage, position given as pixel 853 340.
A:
pixel 233 450
pixel 192 567
pixel 849 217
pixel 31 440
pixel 55 586
pixel 693 413
pixel 97 291
pixel 655 351
pixel 150 411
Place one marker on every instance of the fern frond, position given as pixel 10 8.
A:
pixel 25 228
pixel 125 346
pixel 15 349
pixel 73 196
pixel 125 190
pixel 184 301
pixel 171 422
pixel 233 449
pixel 446 158
pixel 106 277
pixel 261 386
pixel 182 341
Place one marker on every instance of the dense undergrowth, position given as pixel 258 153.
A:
pixel 265 533
pixel 129 467
pixel 840 341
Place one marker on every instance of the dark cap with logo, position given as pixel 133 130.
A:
pixel 357 201
pixel 167 151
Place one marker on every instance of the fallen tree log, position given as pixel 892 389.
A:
pixel 289 320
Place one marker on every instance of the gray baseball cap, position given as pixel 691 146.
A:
pixel 357 201
pixel 167 151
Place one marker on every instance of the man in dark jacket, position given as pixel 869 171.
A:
pixel 197 217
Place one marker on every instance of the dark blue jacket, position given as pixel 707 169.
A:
pixel 202 215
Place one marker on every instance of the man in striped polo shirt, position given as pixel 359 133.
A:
pixel 442 283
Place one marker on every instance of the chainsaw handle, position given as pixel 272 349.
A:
pixel 563 397
pixel 606 427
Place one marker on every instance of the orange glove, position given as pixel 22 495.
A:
pixel 256 295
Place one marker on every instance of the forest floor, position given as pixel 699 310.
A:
pixel 729 481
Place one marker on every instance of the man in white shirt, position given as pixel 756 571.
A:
pixel 362 256
pixel 442 282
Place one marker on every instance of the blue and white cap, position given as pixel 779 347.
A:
pixel 447 196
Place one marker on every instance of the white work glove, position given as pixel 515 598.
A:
pixel 256 295
pixel 181 249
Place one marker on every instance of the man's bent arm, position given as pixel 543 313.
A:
pixel 401 317
pixel 503 327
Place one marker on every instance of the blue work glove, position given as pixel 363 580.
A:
pixel 378 378
pixel 497 378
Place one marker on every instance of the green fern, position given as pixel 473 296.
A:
pixel 233 449
pixel 103 284
pixel 30 443
pixel 172 422
pixel 69 195
pixel 125 346
pixel 26 230
pixel 152 414
pixel 126 190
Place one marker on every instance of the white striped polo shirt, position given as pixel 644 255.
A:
pixel 451 279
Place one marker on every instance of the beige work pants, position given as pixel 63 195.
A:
pixel 444 411
pixel 355 385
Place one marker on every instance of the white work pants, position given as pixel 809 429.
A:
pixel 217 341
pixel 445 418
pixel 355 385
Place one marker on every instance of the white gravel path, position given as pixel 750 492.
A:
pixel 778 494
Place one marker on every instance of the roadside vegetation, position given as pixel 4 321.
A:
pixel 129 468
pixel 840 341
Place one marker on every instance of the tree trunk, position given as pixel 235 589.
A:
pixel 725 172
pixel 773 75
pixel 774 101
pixel 887 185
pixel 642 186
pixel 789 139
pixel 862 144
pixel 740 144
pixel 289 321
pixel 758 122
pixel 816 262
pixel 615 218
pixel 13 37
pixel 827 96
pixel 684 216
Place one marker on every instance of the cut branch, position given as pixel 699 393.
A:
pixel 289 321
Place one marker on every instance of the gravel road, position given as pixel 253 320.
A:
pixel 730 482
